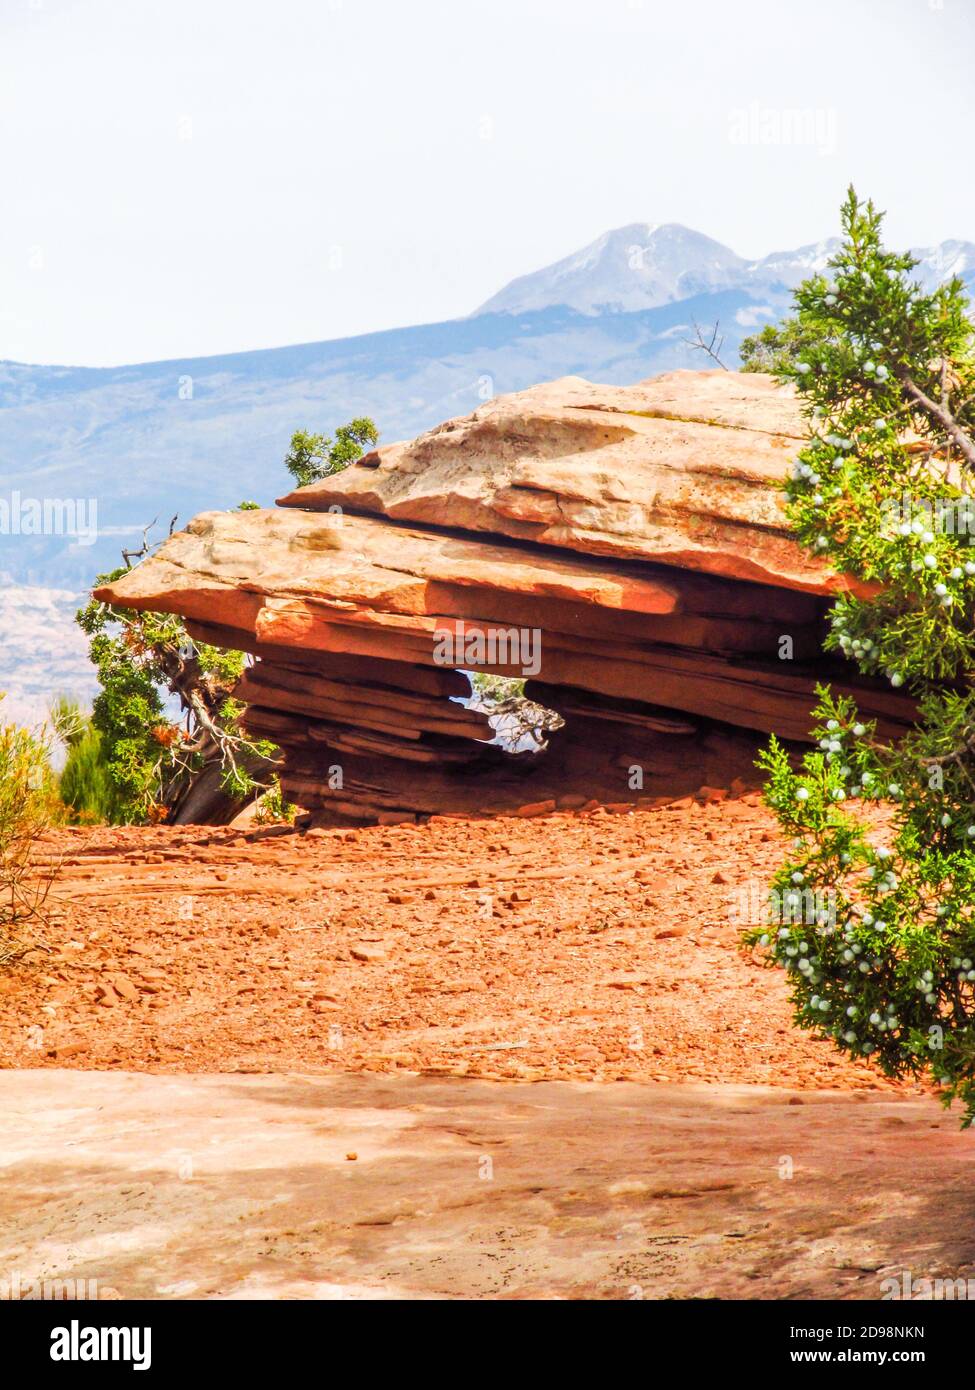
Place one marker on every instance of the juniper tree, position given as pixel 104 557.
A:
pixel 164 711
pixel 773 349
pixel 149 670
pixel 312 457
pixel 884 831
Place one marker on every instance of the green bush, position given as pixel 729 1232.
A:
pixel 312 457
pixel 86 786
pixel 774 349
pixel 28 806
pixel 875 905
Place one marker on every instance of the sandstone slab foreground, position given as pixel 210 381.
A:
pixel 316 1187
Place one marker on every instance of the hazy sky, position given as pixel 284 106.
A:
pixel 198 176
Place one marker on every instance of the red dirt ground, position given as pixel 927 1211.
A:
pixel 585 946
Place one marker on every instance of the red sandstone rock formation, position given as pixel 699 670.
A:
pixel 624 547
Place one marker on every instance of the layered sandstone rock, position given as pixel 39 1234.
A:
pixel 624 548
pixel 681 470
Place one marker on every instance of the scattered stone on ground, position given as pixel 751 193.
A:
pixel 575 946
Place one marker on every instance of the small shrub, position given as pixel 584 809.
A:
pixel 313 457
pixel 272 809
pixel 28 807
pixel 86 786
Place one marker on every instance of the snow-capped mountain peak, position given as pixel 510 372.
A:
pixel 942 262
pixel 791 267
pixel 645 265
pixel 638 266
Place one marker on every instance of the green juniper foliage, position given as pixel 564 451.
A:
pixel 132 761
pixel 151 758
pixel 884 833
pixel 86 785
pixel 312 457
pixel 774 349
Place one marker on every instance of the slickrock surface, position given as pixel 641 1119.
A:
pixel 678 469
pixel 637 544
pixel 296 1186
pixel 584 946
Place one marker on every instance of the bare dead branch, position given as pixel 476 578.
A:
pixel 699 345
pixel 942 415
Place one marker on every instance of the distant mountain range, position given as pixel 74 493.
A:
pixel 160 439
pixel 644 265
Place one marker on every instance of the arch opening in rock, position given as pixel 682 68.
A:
pixel 659 604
